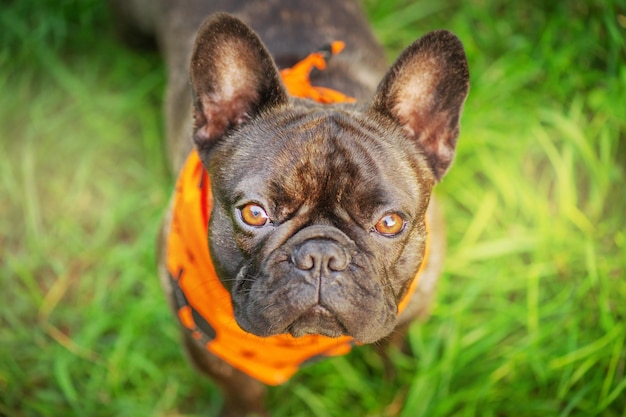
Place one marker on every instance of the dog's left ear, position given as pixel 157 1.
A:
pixel 424 91
pixel 233 78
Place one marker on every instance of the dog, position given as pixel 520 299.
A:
pixel 297 229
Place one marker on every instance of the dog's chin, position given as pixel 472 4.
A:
pixel 317 320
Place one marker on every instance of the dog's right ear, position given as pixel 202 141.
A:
pixel 233 78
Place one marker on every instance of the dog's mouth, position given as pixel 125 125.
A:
pixel 317 320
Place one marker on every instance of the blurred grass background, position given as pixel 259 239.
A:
pixel 530 316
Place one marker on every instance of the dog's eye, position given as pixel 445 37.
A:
pixel 390 225
pixel 254 215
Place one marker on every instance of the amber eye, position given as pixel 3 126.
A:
pixel 254 215
pixel 390 225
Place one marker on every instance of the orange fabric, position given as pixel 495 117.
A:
pixel 298 84
pixel 204 305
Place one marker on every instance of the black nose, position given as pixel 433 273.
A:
pixel 320 255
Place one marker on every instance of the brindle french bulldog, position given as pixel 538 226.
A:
pixel 320 212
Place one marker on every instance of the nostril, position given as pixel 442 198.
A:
pixel 303 261
pixel 338 263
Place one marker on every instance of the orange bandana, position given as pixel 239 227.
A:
pixel 203 304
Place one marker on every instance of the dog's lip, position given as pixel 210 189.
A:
pixel 317 320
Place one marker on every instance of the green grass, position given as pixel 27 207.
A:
pixel 530 316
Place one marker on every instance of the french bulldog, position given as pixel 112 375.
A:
pixel 319 215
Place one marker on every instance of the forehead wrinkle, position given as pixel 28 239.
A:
pixel 303 177
pixel 322 176
pixel 329 158
pixel 313 147
pixel 376 156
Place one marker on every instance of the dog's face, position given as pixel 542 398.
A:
pixel 318 219
pixel 318 224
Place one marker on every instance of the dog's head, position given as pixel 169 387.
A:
pixel 318 219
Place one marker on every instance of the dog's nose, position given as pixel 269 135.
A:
pixel 320 256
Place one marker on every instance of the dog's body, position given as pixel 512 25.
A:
pixel 320 212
